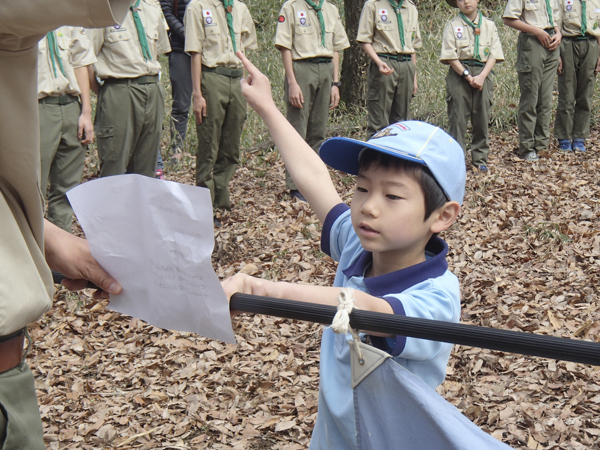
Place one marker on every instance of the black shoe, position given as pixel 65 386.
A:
pixel 217 222
pixel 295 193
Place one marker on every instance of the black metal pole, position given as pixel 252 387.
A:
pixel 552 347
pixel 455 333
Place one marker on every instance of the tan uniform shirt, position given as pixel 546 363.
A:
pixel 118 48
pixel 299 30
pixel 207 32
pixel 571 17
pixel 458 41
pixel 533 12
pixel 25 281
pixel 378 26
pixel 75 50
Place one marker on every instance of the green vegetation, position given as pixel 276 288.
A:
pixel 548 232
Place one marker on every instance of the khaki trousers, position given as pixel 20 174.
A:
pixel 389 96
pixel 20 421
pixel 128 126
pixel 62 158
pixel 576 88
pixel 464 103
pixel 536 67
pixel 310 121
pixel 219 135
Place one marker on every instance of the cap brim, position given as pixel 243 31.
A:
pixel 452 3
pixel 343 153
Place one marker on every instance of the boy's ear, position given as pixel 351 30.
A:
pixel 446 216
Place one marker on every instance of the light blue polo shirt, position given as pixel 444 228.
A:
pixel 427 290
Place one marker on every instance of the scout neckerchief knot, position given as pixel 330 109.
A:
pixel 397 7
pixel 583 17
pixel 318 9
pixel 228 5
pixel 54 56
pixel 140 31
pixel 477 32
pixel 549 10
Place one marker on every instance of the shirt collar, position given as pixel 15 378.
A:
pixel 400 280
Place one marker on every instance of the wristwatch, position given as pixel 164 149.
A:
pixel 465 74
pixel 336 83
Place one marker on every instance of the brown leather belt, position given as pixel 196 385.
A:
pixel 11 350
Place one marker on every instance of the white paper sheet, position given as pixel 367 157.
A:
pixel 156 238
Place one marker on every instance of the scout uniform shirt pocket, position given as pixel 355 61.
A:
pixel 532 5
pixel 305 34
pixel 211 27
pixel 119 42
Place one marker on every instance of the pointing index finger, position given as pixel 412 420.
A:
pixel 247 64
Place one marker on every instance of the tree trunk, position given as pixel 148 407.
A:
pixel 355 62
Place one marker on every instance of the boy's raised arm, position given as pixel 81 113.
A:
pixel 306 168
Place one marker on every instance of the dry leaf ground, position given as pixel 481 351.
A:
pixel 526 250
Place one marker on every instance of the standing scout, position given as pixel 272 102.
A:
pixel 65 124
pixel 131 103
pixel 214 31
pixel 389 33
pixel 471 46
pixel 537 61
pixel 579 64
pixel 310 36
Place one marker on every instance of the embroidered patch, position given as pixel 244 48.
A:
pixel 281 19
pixel 302 17
pixel 595 25
pixel 383 18
pixel 486 51
pixel 569 5
pixel 208 17
pixel 383 133
pixel 413 36
pixel 459 32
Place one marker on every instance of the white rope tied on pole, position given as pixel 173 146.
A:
pixel 341 320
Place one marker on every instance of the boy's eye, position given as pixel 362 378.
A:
pixel 393 197
pixel 360 189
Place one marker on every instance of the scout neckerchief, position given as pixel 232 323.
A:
pixel 140 31
pixel 397 7
pixel 54 56
pixel 477 32
pixel 318 9
pixel 549 10
pixel 583 17
pixel 228 5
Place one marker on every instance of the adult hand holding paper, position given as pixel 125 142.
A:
pixel 156 238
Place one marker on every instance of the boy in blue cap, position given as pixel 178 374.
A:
pixel 410 185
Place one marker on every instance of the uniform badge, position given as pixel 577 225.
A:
pixel 459 32
pixel 208 16
pixel 486 51
pixel 595 25
pixel 302 17
pixel 383 133
pixel 281 19
pixel 383 13
pixel 569 5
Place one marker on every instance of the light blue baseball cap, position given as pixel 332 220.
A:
pixel 415 141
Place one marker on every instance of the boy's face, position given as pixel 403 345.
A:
pixel 467 6
pixel 388 214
